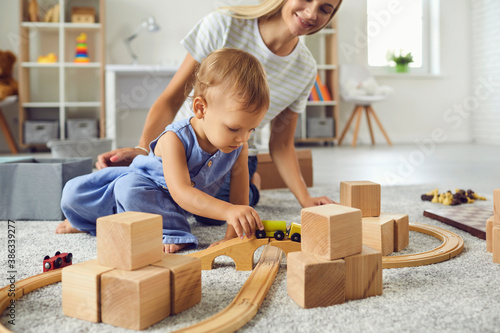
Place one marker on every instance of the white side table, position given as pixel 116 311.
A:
pixel 130 91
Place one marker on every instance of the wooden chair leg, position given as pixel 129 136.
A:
pixel 369 124
pixel 348 123
pixel 356 129
pixel 379 125
pixel 4 126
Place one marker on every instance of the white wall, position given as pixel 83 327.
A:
pixel 418 107
pixel 484 103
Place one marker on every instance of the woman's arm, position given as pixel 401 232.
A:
pixel 161 113
pixel 242 218
pixel 282 150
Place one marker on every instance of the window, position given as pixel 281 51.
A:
pixel 402 26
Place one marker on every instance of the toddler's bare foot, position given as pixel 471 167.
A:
pixel 172 248
pixel 256 180
pixel 66 228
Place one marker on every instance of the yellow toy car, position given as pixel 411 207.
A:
pixel 276 229
pixel 279 230
pixel 294 232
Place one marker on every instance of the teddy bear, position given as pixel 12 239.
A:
pixel 8 85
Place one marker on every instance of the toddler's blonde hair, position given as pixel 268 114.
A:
pixel 240 74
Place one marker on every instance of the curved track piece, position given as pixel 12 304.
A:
pixel 26 286
pixel 241 251
pixel 452 245
pixel 248 301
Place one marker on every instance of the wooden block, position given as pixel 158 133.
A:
pixel 489 234
pixel 135 299
pixel 364 195
pixel 185 280
pixel 81 290
pixel 496 244
pixel 496 205
pixel 129 240
pixel 314 282
pixel 378 233
pixel 363 274
pixel 401 230
pixel 331 231
pixel 271 179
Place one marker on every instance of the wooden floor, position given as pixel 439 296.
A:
pixel 447 166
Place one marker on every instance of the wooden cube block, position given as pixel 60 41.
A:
pixel 496 244
pixel 81 290
pixel 331 231
pixel 363 274
pixel 185 280
pixel 401 230
pixel 135 299
pixel 364 195
pixel 129 240
pixel 496 205
pixel 314 282
pixel 489 234
pixel 378 233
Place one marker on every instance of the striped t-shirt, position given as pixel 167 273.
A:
pixel 290 77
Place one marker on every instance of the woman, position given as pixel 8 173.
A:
pixel 270 31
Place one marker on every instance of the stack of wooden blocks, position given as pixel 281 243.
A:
pixel 384 232
pixel 334 265
pixel 493 228
pixel 132 283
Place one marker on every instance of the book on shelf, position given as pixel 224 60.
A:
pixel 319 91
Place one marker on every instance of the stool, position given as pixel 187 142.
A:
pixel 4 126
pixel 358 111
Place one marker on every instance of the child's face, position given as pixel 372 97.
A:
pixel 225 125
pixel 307 16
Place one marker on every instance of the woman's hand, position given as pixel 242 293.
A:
pixel 318 201
pixel 118 157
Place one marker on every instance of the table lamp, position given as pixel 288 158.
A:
pixel 150 25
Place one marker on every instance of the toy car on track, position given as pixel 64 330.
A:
pixel 278 230
pixel 60 260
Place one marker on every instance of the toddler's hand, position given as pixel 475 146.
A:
pixel 244 219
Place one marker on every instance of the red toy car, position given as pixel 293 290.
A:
pixel 60 260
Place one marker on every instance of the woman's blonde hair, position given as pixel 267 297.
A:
pixel 265 9
pixel 240 74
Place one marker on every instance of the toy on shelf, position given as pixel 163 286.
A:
pixel 60 260
pixel 47 59
pixel 33 11
pixel 82 15
pixel 8 85
pixel 449 199
pixel 52 15
pixel 82 55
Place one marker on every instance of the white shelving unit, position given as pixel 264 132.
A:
pixel 324 114
pixel 64 89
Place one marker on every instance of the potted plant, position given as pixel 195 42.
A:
pixel 401 60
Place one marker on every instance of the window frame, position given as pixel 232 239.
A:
pixel 430 43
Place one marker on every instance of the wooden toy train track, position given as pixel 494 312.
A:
pixel 452 246
pixel 250 297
